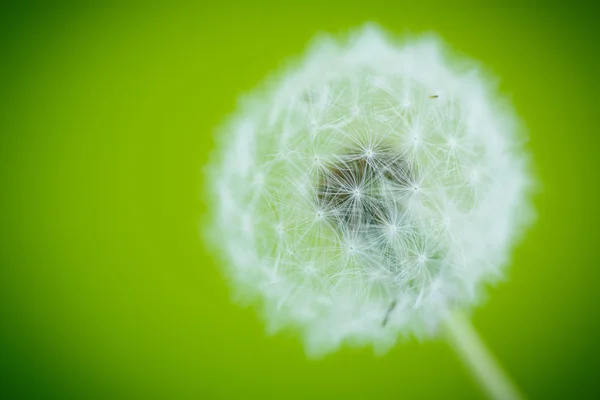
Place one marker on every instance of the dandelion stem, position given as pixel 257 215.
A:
pixel 479 360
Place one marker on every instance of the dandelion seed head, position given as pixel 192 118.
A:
pixel 371 172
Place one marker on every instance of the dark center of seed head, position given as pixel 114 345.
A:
pixel 354 190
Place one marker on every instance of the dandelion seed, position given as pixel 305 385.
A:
pixel 387 314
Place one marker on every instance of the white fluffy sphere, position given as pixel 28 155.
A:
pixel 367 190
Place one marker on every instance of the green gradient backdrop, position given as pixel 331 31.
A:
pixel 106 290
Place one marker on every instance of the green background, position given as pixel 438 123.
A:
pixel 106 118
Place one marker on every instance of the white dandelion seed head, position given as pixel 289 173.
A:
pixel 367 190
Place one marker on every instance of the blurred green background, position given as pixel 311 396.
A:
pixel 106 118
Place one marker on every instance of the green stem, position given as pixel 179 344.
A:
pixel 479 360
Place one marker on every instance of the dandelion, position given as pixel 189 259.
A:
pixel 368 191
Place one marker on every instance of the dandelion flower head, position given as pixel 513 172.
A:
pixel 368 189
